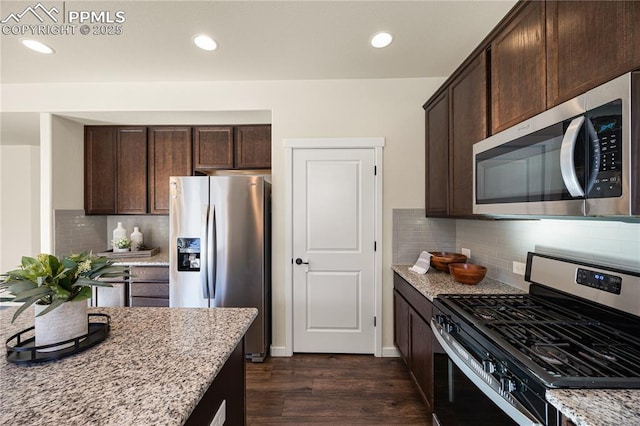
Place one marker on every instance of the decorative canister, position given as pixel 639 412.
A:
pixel 136 239
pixel 119 232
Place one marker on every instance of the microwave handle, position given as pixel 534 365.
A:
pixel 567 165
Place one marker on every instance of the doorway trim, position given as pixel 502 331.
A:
pixel 290 144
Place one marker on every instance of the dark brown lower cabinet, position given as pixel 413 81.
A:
pixel 149 286
pixel 413 336
pixel 228 386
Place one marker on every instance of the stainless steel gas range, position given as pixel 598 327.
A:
pixel 579 327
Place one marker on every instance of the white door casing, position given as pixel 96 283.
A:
pixel 335 212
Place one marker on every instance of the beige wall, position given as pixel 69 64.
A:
pixel 19 204
pixel 389 108
pixel 68 160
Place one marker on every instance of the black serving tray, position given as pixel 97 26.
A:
pixel 24 351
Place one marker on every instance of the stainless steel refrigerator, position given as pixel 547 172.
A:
pixel 220 248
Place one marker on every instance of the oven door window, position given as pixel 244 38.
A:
pixel 457 401
pixel 528 169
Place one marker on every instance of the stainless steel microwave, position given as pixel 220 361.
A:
pixel 580 158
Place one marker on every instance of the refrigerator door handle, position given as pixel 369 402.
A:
pixel 205 248
pixel 212 256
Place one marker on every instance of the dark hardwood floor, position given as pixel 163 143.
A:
pixel 332 389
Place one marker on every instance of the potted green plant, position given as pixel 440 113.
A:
pixel 122 244
pixel 59 288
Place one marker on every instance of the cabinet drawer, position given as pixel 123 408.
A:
pixel 149 302
pixel 149 290
pixel 420 304
pixel 149 273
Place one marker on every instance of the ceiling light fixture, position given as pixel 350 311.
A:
pixel 38 46
pixel 381 39
pixel 205 42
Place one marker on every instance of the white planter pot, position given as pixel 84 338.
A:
pixel 120 250
pixel 65 322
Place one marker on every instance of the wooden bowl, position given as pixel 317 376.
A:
pixel 467 273
pixel 441 259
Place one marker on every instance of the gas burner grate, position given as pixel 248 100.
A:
pixel 556 342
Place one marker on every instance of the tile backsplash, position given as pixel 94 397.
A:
pixel 155 229
pixel 413 233
pixel 76 232
pixel 498 243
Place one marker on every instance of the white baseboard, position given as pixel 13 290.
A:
pixel 390 352
pixel 279 351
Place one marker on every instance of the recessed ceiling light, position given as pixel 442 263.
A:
pixel 381 39
pixel 37 46
pixel 205 42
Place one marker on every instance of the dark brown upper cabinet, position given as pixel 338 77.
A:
pixel 589 43
pixel 232 147
pixel 170 154
pixel 115 170
pixel 437 156
pixel 468 125
pixel 252 147
pixel 213 147
pixel 518 71
pixel 455 120
pixel 99 170
pixel 131 170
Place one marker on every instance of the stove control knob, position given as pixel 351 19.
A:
pixel 488 366
pixel 441 319
pixel 507 384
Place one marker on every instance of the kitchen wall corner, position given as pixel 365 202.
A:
pixel 413 233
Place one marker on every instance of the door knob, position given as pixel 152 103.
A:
pixel 300 262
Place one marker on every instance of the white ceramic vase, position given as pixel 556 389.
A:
pixel 120 250
pixel 65 322
pixel 136 239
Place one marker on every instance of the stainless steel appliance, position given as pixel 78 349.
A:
pixel 579 327
pixel 220 245
pixel 580 158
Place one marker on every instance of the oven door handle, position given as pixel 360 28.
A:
pixel 487 384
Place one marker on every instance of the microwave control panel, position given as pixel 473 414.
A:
pixel 608 129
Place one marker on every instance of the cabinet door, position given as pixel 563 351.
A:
pixel 437 156
pixel 213 147
pixel 401 325
pixel 588 43
pixel 253 147
pixel 421 355
pixel 169 155
pixel 468 115
pixel 99 170
pixel 131 174
pixel 518 68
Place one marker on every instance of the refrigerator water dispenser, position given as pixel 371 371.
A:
pixel 188 254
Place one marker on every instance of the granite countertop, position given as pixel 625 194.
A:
pixel 584 407
pixel 159 259
pixel 435 282
pixel 152 369
pixel 597 407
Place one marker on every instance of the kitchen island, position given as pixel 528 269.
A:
pixel 153 369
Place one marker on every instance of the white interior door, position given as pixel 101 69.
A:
pixel 333 250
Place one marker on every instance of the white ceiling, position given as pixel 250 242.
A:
pixel 259 40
